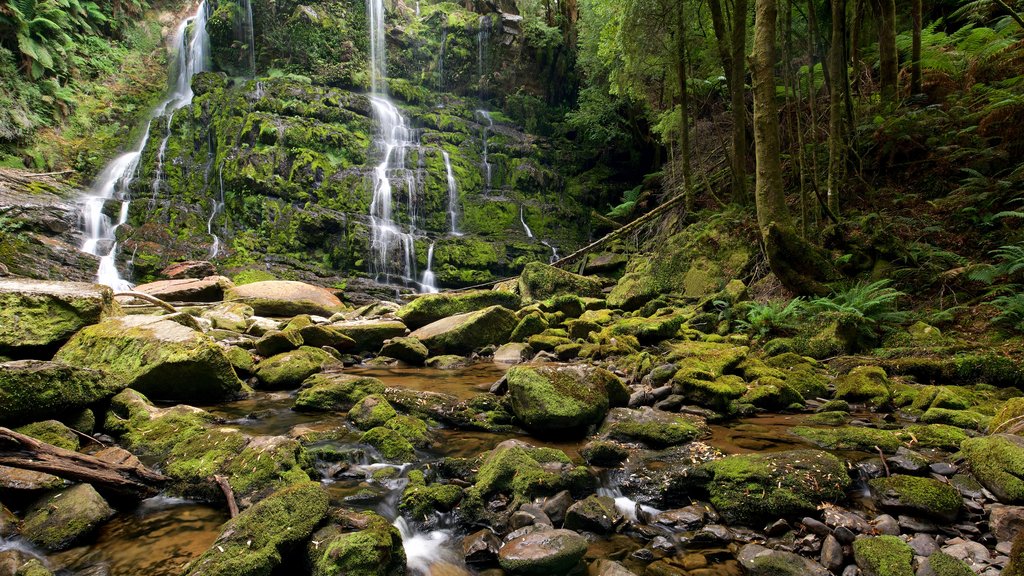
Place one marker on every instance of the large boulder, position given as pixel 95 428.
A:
pixel 370 335
pixel 883 556
pixel 35 389
pixel 430 308
pixel 998 463
pixel 286 298
pixel 543 553
pixel 463 333
pixel 357 544
pixel 761 561
pixel 289 369
pixel 160 358
pixel 655 428
pixel 540 281
pixel 253 543
pixel 335 391
pixel 208 289
pixel 62 518
pixel 918 496
pixel 559 399
pixel 38 316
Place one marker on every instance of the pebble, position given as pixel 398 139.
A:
pixel 923 545
pixel 815 526
pixel 844 535
pixel 886 524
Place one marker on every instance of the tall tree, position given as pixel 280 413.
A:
pixel 915 52
pixel 732 45
pixel 837 96
pixel 888 56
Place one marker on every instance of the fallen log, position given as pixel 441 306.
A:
pixel 123 478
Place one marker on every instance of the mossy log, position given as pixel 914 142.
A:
pixel 126 479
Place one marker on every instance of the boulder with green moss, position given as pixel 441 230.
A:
pixel 998 463
pixel 530 325
pixel 33 568
pixel 320 335
pixel 370 335
pixel 430 308
pixel 966 419
pixel 850 438
pixel 277 342
pixel 543 552
pixel 232 316
pixel 655 428
pixel 559 399
pixel 255 542
pixel 717 394
pixel 407 349
pixel 52 432
pixel 463 333
pixel 421 499
pixel 868 384
pixel 335 391
pixel 883 556
pixel 650 330
pixel 540 281
pixel 1009 418
pixel 357 544
pixel 158 357
pixel 568 305
pixel 285 298
pixel 60 519
pixel 35 389
pixel 289 369
pixel 391 445
pixel 37 316
pixel 918 496
pixel 372 411
pixel 941 436
pixel 525 472
pixel 705 360
pixel 772 394
pixel 942 564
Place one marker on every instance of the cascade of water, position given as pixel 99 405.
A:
pixel 250 37
pixel 554 252
pixel 217 206
pixel 429 283
pixel 483 35
pixel 486 133
pixel 453 194
pixel 441 56
pixel 529 233
pixel 115 180
pixel 422 549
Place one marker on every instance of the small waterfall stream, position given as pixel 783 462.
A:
pixel 250 37
pixel 522 220
pixel 486 160
pixel 429 283
pixel 453 194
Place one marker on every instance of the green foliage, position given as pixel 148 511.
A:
pixel 1011 312
pixel 629 200
pixel 773 318
pixel 866 309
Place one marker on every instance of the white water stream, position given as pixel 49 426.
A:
pixel 429 282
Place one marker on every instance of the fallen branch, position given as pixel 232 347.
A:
pixel 25 452
pixel 229 494
pixel 148 298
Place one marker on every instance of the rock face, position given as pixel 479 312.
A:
pixel 551 399
pixel 157 357
pixel 433 307
pixel 38 315
pixel 463 333
pixel 34 389
pixel 543 553
pixel 286 298
pixel 61 519
pixel 207 289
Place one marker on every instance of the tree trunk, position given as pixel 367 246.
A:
pixel 889 59
pixel 737 94
pixel 915 52
pixel 684 107
pixel 718 24
pixel 837 96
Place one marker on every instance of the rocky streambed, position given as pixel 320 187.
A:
pixel 539 428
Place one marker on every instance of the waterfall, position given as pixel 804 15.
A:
pixel 554 252
pixel 453 194
pixel 483 35
pixel 440 58
pixel 526 228
pixel 250 37
pixel 422 549
pixel 429 283
pixel 115 180
pixel 216 207
pixel 487 164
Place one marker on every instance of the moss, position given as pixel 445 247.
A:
pixel 540 282
pixel 38 314
pixel 655 428
pixel 966 419
pixel 34 389
pixel 241 360
pixel 62 518
pixel 51 432
pixel 705 360
pixel 919 496
pixel 943 564
pixel 421 499
pixel 391 445
pixel 547 342
pixel 868 384
pixel 408 350
pixel 525 472
pixel 883 556
pixel 558 399
pixel 570 305
pixel 604 453
pixel 941 436
pixel 807 382
pixel 335 391
pixel 278 342
pixel 850 438
pixel 33 568
pixel 1009 417
pixel 289 369
pixel 998 463
pixel 649 330
pixel 432 307
pixel 771 394
pixel 411 428
pixel 716 394
pixel 532 324
pixel 465 333
pixel 447 362
pixel 949 397
pixel 829 418
pixel 253 542
pixel 374 549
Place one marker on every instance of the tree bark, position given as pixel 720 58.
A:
pixel 889 58
pixel 737 92
pixel 684 107
pixel 837 96
pixel 769 193
pixel 915 51
pixel 719 25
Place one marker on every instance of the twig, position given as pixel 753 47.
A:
pixel 148 298
pixel 229 494
pixel 884 463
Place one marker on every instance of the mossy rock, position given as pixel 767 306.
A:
pixel 60 519
pixel 39 315
pixel 966 419
pixel 372 411
pixel 650 330
pixel 569 305
pixel 463 333
pixel 883 556
pixel 948 397
pixel 543 553
pixel 942 564
pixel 540 281
pixel 370 335
pixel 604 453
pixel 232 316
pixel 1009 417
pixel 447 362
pixel 407 349
pixel 790 484
pixel 35 389
pixel 320 335
pixel 705 360
pixel 525 472
pixel 717 394
pixel 52 432
pixel 290 369
pixel 547 342
pixel 277 342
pixel 772 394
pixel 392 446
pixel 335 391
pixel 558 399
pixel 420 499
pixel 359 544
pixel 411 428
pixel 655 428
pixel 33 568
pixel 829 418
pixel 998 463
pixel 157 357
pixel 241 360
pixel 430 308
pixel 253 543
pixel 850 438
pixel 918 496
pixel 596 514
pixel 868 384
pixel 941 436
pixel 805 380
pixel 532 324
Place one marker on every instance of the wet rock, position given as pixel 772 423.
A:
pixel 815 526
pixel 539 282
pixel 883 556
pixel 666 478
pixel 886 524
pixel 967 551
pixel 208 289
pixel 524 472
pixel 252 542
pixel 60 519
pixel 556 506
pixel 943 469
pixel 605 567
pixel 712 535
pixel 372 411
pixel 761 561
pixel 160 358
pixel 1005 521
pixel 907 461
pixel 513 353
pixel 429 308
pixel 543 553
pixel 923 496
pixel 529 515
pixel 923 545
pixel 33 567
pixel 596 514
pixel 832 553
pixel 408 350
pixel 481 547
pixel 463 333
pixel 565 399
pixel 8 523
pixel 284 298
pixel 911 524
pixel 35 389
pixel 289 369
pixel 656 428
pixel 836 517
pixel 37 316
pixel 335 391
pixel 447 362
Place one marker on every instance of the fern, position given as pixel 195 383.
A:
pixel 772 318
pixel 868 309
pixel 1011 312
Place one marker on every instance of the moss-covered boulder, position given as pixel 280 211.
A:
pixel 232 316
pixel 547 342
pixel 285 298
pixel 998 463
pixel 33 567
pixel 540 281
pixel 966 419
pixel 883 556
pixel 320 335
pixel 650 330
pixel 543 553
pixel 850 438
pixel 788 484
pixel 655 428
pixel 941 436
pixel 52 432
pixel 407 349
pixel 35 389
pixel 421 499
pixel 525 472
pixel 771 394
pixel 942 564
pixel 918 496
pixel 1009 417
pixel 596 514
pixel 276 342
pixel 357 544
pixel 463 333
pixel 705 360
pixel 160 358
pixel 430 308
pixel 372 411
pixel 391 445
pixel 559 399
pixel 717 394
pixel 37 316
pixel 335 391
pixel 289 369
pixel 60 519
pixel 530 325
pixel 370 335
pixel 868 384
pixel 254 542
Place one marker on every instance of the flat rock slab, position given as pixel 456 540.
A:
pixel 37 389
pixel 281 298
pixel 208 289
pixel 189 269
pixel 40 314
pixel 543 553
